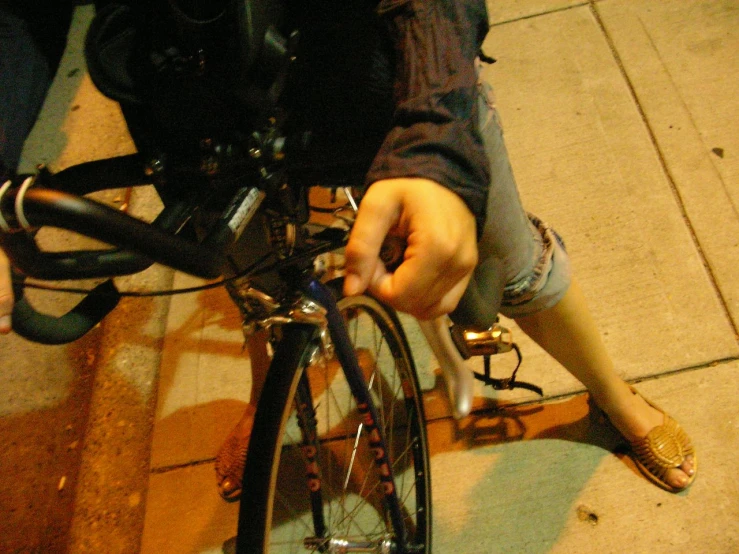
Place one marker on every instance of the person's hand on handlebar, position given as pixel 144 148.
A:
pixel 6 294
pixel 441 252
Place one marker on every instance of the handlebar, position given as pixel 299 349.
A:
pixel 136 245
pixel 47 329
pixel 149 242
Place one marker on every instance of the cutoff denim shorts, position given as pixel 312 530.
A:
pixel 523 266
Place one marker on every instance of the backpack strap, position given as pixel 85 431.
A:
pixel 109 47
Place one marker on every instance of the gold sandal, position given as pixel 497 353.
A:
pixel 231 457
pixel 665 447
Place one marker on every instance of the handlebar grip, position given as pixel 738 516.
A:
pixel 480 303
pixel 47 329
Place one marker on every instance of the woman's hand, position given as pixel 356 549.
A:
pixel 6 294
pixel 441 252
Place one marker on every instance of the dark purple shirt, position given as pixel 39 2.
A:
pixel 389 89
pixel 434 130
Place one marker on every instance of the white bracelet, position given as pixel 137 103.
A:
pixel 4 224
pixel 20 216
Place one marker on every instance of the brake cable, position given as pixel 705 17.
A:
pixel 251 271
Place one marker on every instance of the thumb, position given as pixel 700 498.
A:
pixel 376 216
pixel 354 284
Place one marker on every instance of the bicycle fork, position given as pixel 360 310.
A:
pixel 344 352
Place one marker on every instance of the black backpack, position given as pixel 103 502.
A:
pixel 185 71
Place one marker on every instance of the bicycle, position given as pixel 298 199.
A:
pixel 341 397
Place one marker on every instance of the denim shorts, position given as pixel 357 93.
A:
pixel 523 266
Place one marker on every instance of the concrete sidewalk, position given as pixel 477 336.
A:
pixel 621 118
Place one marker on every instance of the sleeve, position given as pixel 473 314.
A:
pixel 434 132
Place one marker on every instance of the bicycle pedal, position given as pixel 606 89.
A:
pixel 480 341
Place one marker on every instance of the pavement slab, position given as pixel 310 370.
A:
pixel 502 11
pixel 682 60
pixel 585 162
pixel 540 478
pixel 534 478
pixel 76 419
pixel 205 377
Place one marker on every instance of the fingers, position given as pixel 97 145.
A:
pixel 423 288
pixel 6 294
pixel 379 212
pixel 441 248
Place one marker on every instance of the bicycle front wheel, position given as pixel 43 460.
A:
pixel 311 483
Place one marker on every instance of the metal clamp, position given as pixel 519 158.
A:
pixel 262 311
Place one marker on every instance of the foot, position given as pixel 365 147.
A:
pixel 635 418
pixel 231 457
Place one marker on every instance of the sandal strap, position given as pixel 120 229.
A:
pixel 665 447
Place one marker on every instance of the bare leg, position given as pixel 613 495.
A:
pixel 231 456
pixel 569 334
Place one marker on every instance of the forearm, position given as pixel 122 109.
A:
pixel 434 132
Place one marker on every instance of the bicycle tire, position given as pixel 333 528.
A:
pixel 286 495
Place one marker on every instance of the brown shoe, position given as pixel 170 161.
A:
pixel 665 447
pixel 231 457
